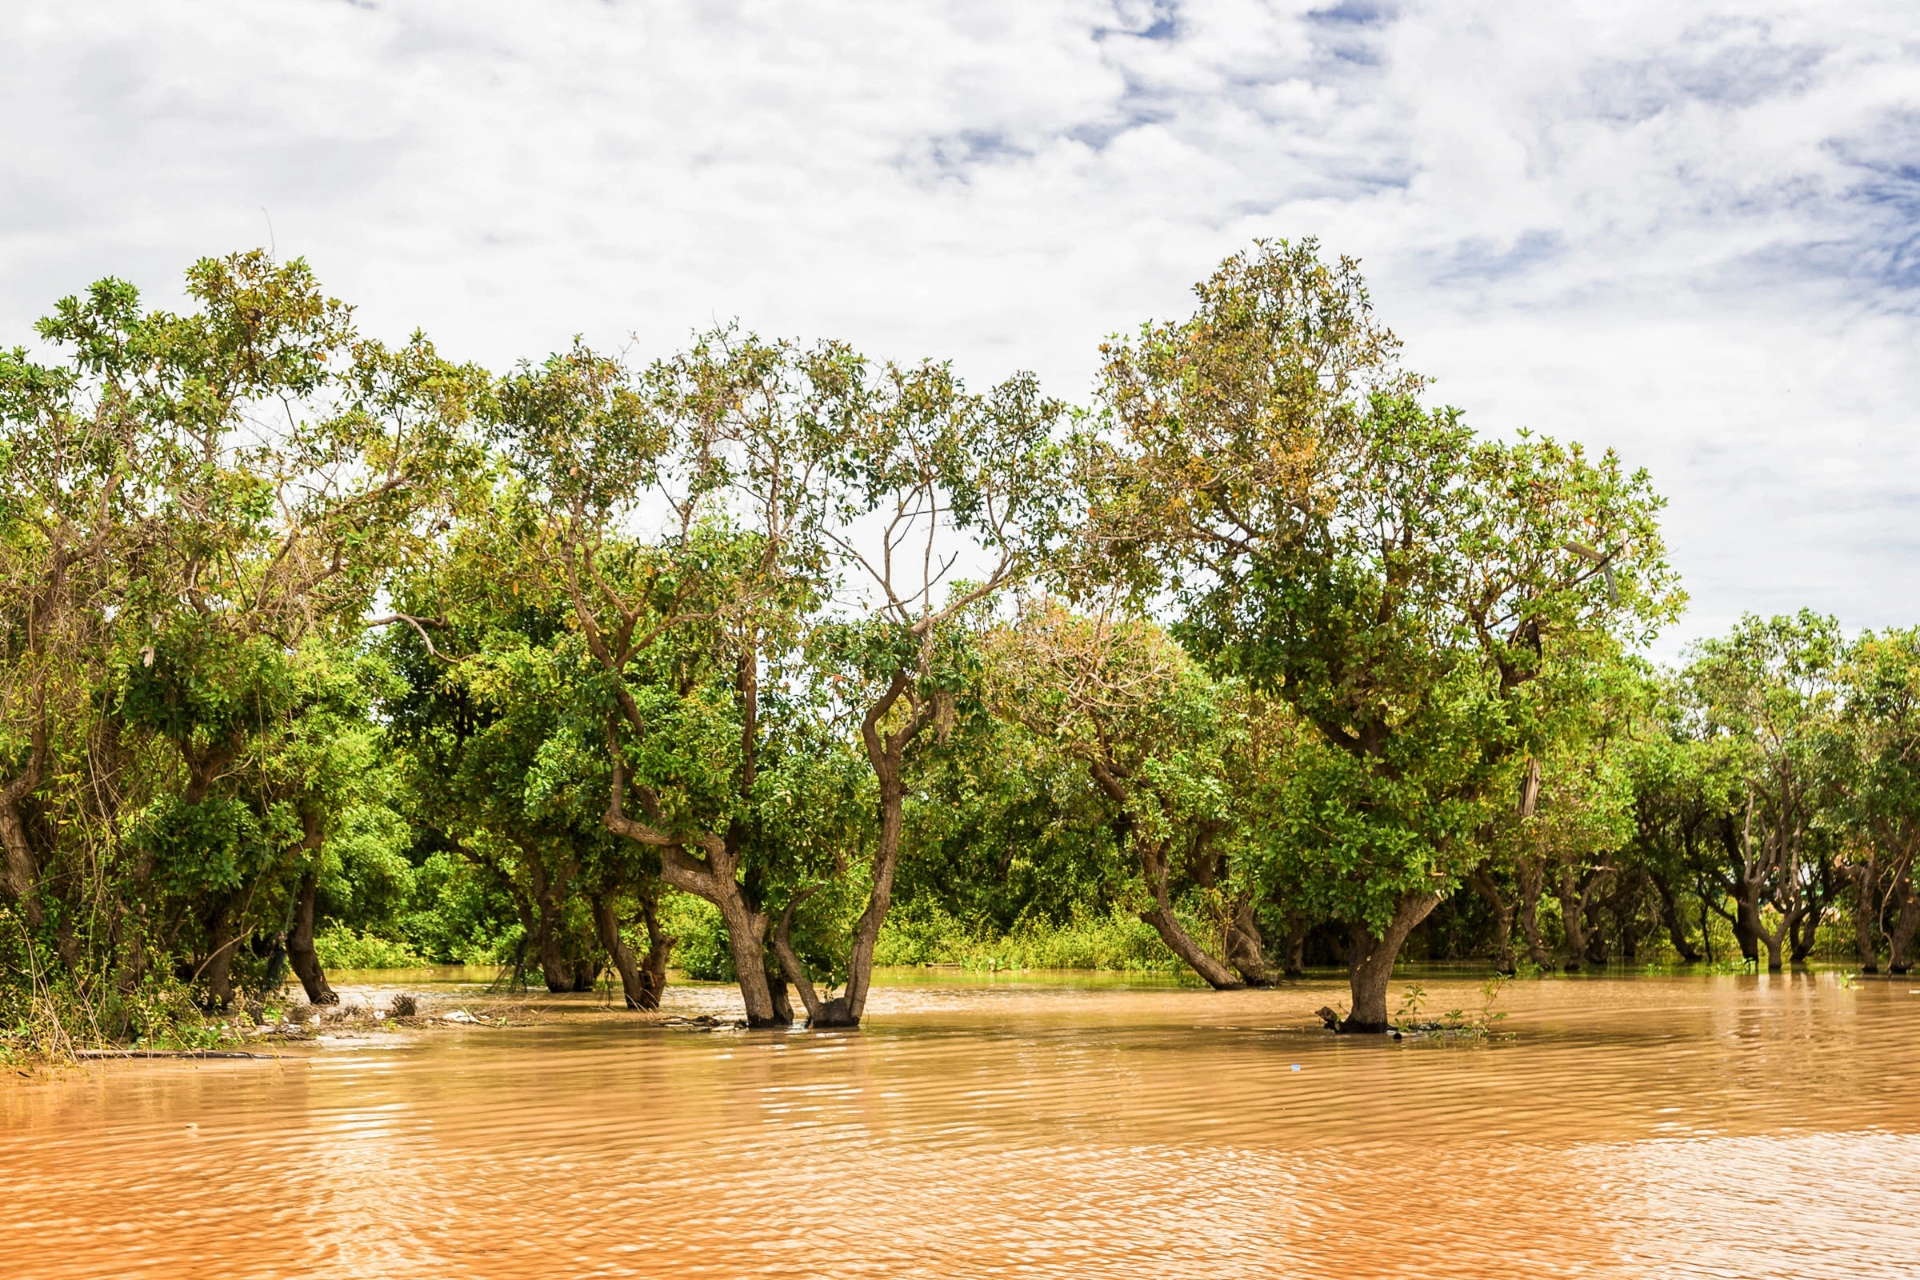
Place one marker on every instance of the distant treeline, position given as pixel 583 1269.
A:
pixel 320 648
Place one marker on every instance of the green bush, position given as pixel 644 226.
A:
pixel 701 952
pixel 916 934
pixel 339 947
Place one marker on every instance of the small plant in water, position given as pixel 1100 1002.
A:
pixel 1455 1022
pixel 1408 1016
pixel 1734 966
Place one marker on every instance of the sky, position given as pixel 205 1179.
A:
pixel 1688 232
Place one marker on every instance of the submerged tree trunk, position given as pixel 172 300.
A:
pixel 886 753
pixel 1153 867
pixel 712 874
pixel 846 1011
pixel 660 943
pixel 1773 938
pixel 1370 962
pixel 1866 902
pixel 644 978
pixel 1805 929
pixel 555 967
pixel 1595 932
pixel 300 952
pixel 301 956
pixel 1746 921
pixel 746 928
pixel 1152 856
pixel 632 984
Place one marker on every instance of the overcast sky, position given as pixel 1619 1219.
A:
pixel 1688 231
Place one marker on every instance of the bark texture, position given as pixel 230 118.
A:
pixel 1370 960
pixel 300 953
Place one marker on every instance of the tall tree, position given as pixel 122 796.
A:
pixel 940 500
pixel 713 454
pixel 1880 681
pixel 1398 581
pixel 236 482
pixel 1768 692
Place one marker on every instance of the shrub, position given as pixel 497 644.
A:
pixel 339 947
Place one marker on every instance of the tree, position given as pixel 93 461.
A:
pixel 211 500
pixel 1768 691
pixel 1398 582
pixel 927 481
pixel 720 447
pixel 1153 731
pixel 1880 687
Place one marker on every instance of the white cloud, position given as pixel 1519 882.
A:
pixel 1689 231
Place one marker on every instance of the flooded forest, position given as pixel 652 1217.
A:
pixel 825 809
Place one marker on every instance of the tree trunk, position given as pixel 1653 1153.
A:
pixel 1625 909
pixel 19 876
pixel 1298 925
pixel 1573 919
pixel 714 877
pixel 129 935
pixel 1530 877
pixel 632 985
pixel 846 1011
pixel 554 966
pixel 300 952
pixel 217 972
pixel 1670 917
pixel 1746 921
pixel 1153 870
pixel 1866 902
pixel 1595 931
pixel 653 966
pixel 1805 930
pixel 821 1012
pixel 1370 963
pixel 1773 940
pixel 66 941
pixel 746 940
pixel 1503 912
pixel 1905 921
pixel 1153 867
pixel 1243 947
pixel 586 972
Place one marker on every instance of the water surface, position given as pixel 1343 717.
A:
pixel 1687 1126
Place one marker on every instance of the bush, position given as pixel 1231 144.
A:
pixel 339 947
pixel 701 952
pixel 916 934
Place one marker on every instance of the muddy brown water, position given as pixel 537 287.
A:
pixel 1632 1126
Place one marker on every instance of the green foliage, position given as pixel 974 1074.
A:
pixel 923 934
pixel 457 914
pixel 493 670
pixel 702 952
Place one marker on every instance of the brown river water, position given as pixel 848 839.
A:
pixel 1733 1126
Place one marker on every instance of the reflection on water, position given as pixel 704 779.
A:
pixel 1733 1126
